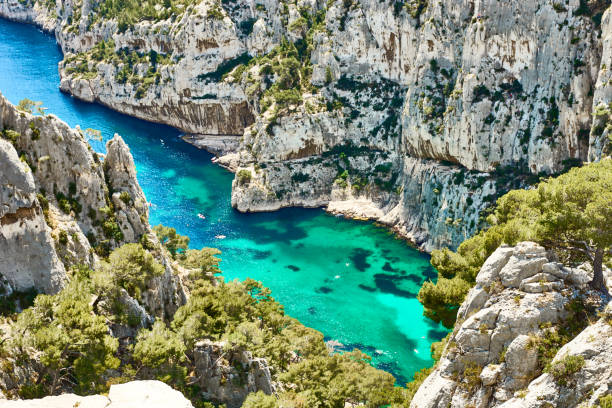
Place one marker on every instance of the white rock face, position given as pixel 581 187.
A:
pixel 27 256
pixel 36 250
pixel 437 97
pixel 218 377
pixel 153 394
pixel 587 385
pixel 134 394
pixel 493 339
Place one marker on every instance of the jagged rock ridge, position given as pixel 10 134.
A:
pixel 497 352
pixel 63 205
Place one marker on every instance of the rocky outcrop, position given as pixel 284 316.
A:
pixel 586 385
pixel 27 256
pixel 228 376
pixel 492 358
pixel 483 92
pixel 453 197
pixel 134 394
pixel 62 203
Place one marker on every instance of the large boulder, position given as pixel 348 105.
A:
pixel 135 394
pixel 521 294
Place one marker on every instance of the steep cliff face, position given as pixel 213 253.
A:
pixel 63 205
pixel 508 349
pixel 28 256
pixel 353 104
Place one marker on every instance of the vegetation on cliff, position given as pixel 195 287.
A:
pixel 569 214
pixel 65 341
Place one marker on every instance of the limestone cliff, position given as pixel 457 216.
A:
pixel 62 205
pixel 385 110
pixel 28 256
pixel 507 348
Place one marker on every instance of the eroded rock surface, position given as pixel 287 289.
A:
pixel 228 377
pixel 492 359
pixel 422 98
pixel 55 206
pixel 27 256
pixel 134 394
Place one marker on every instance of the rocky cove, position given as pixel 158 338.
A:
pixel 423 147
pixel 288 250
pixel 435 99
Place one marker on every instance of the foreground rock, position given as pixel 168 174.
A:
pixel 135 394
pixel 496 354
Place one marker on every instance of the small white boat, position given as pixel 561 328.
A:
pixel 220 236
pixel 200 216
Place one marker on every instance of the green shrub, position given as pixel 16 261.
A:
pixel 35 132
pixel 415 7
pixel 568 207
pixel 10 135
pixel 125 197
pixel 605 401
pixel 215 12
pixel 162 352
pixel 480 92
pixel 176 244
pixel 260 400
pixel 564 369
pixel 300 177
pixel 72 343
pixel 131 267
pixel 244 176
pixel 26 105
pixel 63 203
pixel 333 381
pixel 112 230
pixel 62 238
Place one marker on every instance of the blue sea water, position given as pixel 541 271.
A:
pixel 353 281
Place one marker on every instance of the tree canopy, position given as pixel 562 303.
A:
pixel 174 243
pixel 69 340
pixel 570 214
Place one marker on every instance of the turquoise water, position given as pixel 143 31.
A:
pixel 351 280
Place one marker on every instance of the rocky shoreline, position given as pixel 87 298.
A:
pixel 394 110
